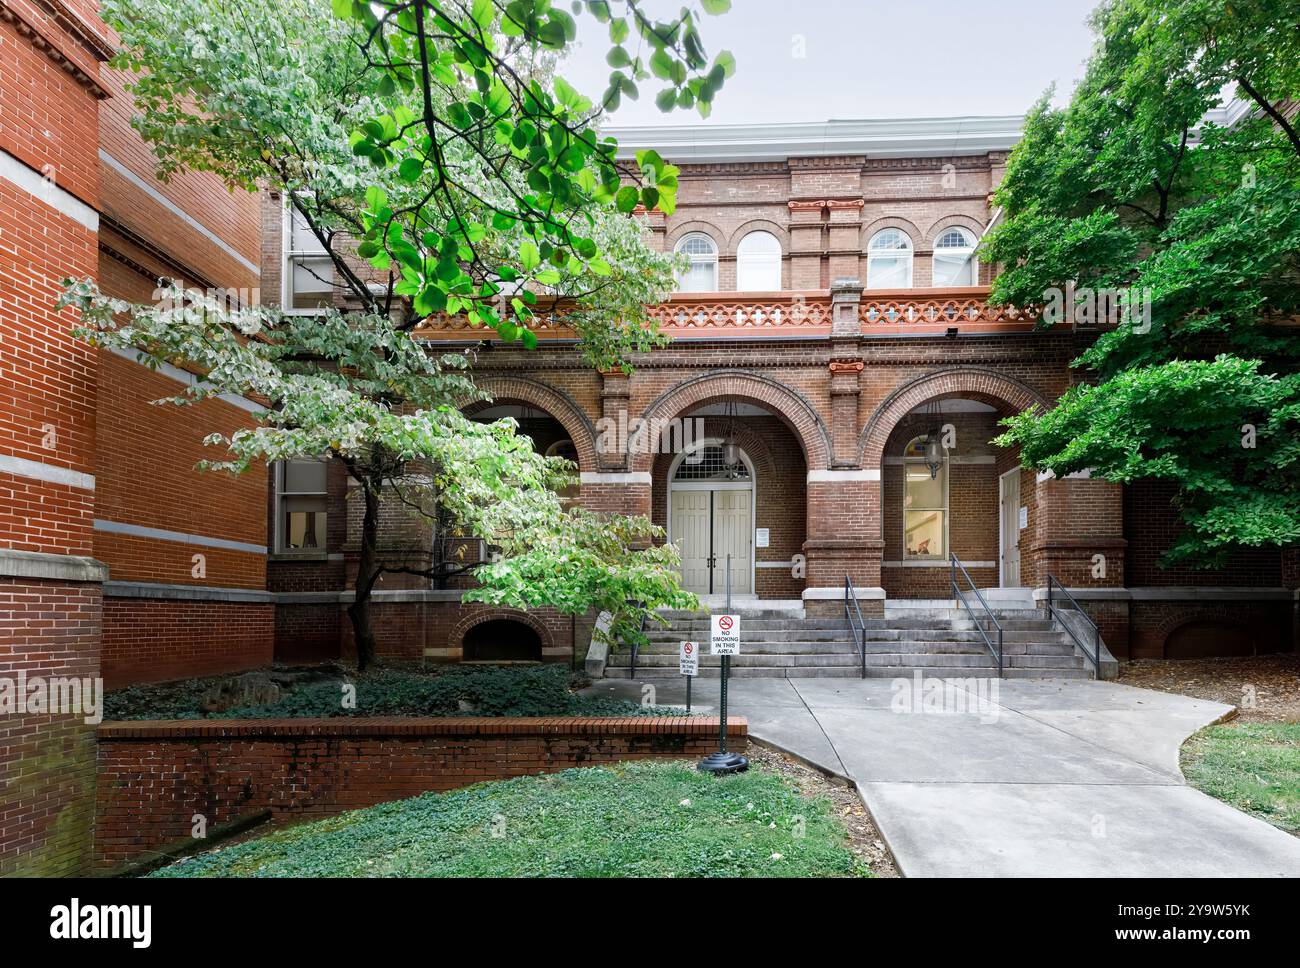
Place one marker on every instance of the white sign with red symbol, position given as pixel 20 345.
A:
pixel 688 660
pixel 725 637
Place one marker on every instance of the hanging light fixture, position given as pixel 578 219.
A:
pixel 730 449
pixel 933 443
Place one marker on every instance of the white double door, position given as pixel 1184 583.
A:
pixel 708 524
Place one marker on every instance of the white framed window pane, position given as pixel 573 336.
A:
pixel 304 524
pixel 758 275
pixel 923 533
pixel 922 490
pixel 889 271
pixel 700 277
pixel 304 477
pixel 311 283
pixel 758 263
pixel 301 237
pixel 954 268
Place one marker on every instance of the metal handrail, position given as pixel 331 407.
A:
pixel 955 565
pixel 860 633
pixel 1095 657
pixel 636 643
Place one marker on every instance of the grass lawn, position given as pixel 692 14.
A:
pixel 1255 767
pixel 641 819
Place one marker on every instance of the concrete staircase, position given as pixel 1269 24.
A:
pixel 934 638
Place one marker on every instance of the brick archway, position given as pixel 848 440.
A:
pixel 456 638
pixel 533 393
pixel 744 387
pixel 968 382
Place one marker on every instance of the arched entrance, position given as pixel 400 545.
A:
pixel 963 494
pixel 711 516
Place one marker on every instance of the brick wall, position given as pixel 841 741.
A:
pixel 47 760
pixel 154 777
pixel 49 627
pixel 154 640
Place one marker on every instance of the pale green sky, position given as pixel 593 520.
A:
pixel 813 60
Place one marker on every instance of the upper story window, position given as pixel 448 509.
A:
pixel 889 260
pixel 925 502
pixel 300 497
pixel 758 263
pixel 702 273
pixel 308 271
pixel 954 259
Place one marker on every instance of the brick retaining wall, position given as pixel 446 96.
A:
pixel 153 777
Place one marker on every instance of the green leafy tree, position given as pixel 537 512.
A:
pixel 446 169
pixel 1138 189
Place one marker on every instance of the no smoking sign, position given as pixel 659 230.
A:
pixel 724 638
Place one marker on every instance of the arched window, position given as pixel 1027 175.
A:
pixel 702 273
pixel 889 260
pixel 925 503
pixel 758 263
pixel 954 259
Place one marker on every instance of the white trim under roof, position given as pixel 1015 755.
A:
pixel 881 138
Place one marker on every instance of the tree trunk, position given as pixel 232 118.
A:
pixel 367 574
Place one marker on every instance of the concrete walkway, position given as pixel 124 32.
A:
pixel 1044 777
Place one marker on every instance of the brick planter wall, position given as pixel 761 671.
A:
pixel 153 777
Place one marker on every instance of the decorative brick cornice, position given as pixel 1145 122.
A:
pixel 832 163
pixel 75 28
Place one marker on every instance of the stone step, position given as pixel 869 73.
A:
pixel 873 672
pixel 848 647
pixel 820 659
pixel 672 638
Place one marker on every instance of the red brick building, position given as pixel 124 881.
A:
pixel 832 319
pixel 117 558
pixel 832 323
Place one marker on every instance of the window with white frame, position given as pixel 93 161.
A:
pixel 925 504
pixel 758 263
pixel 889 260
pixel 308 271
pixel 301 506
pixel 701 274
pixel 954 259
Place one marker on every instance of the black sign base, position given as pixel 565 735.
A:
pixel 721 762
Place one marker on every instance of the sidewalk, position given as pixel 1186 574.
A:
pixel 1042 778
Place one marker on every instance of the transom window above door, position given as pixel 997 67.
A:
pixel 709 463
pixel 701 273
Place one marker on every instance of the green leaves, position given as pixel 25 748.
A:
pixel 1130 188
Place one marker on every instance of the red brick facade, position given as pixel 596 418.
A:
pixel 155 777
pixel 96 483
pixel 118 558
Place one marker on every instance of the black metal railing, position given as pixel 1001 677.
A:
pixel 1095 655
pixel 860 632
pixel 636 643
pixel 956 566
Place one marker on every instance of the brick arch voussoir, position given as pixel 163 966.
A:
pixel 963 381
pixel 561 406
pixel 790 406
pixel 1204 613
pixel 488 613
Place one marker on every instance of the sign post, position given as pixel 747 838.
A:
pixel 724 640
pixel 688 664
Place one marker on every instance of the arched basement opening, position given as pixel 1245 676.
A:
pixel 502 640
